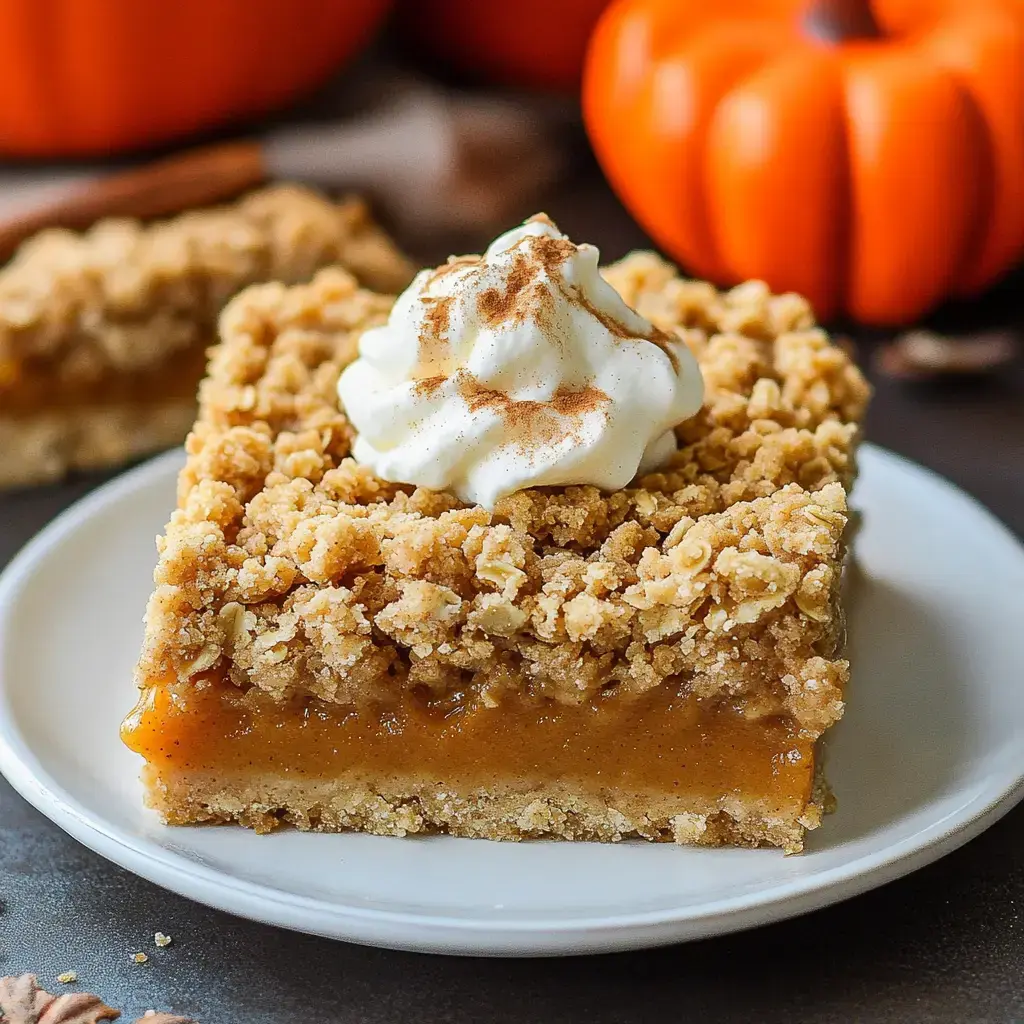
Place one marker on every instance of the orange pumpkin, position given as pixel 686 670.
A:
pixel 870 158
pixel 536 44
pixel 91 76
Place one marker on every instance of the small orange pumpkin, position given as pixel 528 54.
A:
pixel 91 76
pixel 871 158
pixel 534 44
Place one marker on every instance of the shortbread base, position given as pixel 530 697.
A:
pixel 44 447
pixel 396 807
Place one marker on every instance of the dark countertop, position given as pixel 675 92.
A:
pixel 944 945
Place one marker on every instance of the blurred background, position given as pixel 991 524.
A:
pixel 868 155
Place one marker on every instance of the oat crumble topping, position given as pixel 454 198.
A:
pixel 291 568
pixel 124 295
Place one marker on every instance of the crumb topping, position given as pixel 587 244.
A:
pixel 124 296
pixel 289 567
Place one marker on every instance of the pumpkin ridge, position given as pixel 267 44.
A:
pixel 909 229
pixel 715 45
pixel 984 49
pixel 984 183
pixel 779 200
pixel 760 59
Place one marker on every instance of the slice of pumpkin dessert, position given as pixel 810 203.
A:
pixel 103 335
pixel 535 552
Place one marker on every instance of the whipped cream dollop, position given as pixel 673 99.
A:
pixel 519 368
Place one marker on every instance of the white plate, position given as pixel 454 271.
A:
pixel 929 754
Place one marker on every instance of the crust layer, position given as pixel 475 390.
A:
pixel 400 807
pixel 45 447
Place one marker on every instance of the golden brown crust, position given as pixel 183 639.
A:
pixel 125 296
pixel 400 807
pixel 45 447
pixel 296 570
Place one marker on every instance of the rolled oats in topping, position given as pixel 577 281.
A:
pixel 310 575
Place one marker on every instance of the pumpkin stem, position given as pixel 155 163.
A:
pixel 839 21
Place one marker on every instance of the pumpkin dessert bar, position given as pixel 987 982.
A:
pixel 103 334
pixel 330 650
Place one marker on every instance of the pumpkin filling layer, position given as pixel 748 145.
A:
pixel 664 743
pixel 27 390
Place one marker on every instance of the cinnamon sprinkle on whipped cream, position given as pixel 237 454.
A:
pixel 519 368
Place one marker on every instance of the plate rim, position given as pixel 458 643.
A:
pixel 440 933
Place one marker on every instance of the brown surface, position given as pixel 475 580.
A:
pixel 944 946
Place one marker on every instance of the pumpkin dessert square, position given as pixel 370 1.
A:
pixel 103 335
pixel 533 552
